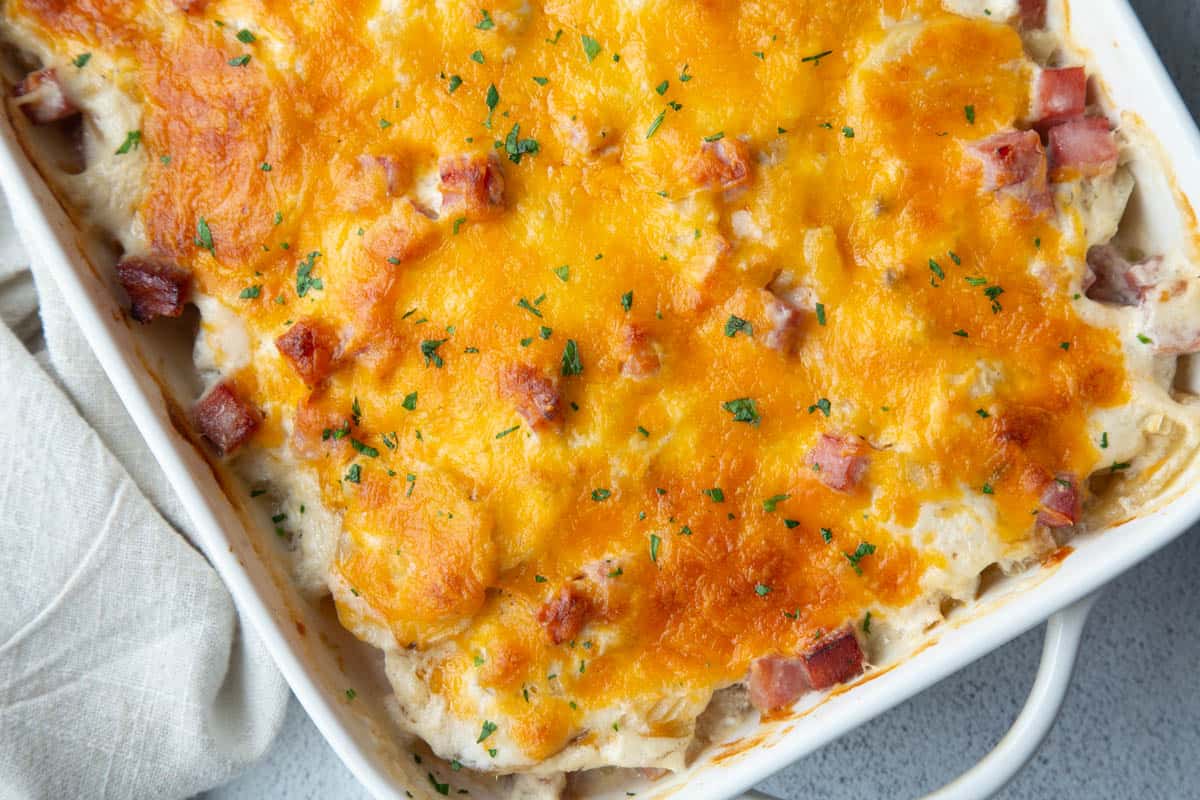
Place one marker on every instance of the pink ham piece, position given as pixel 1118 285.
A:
pixel 1014 164
pixel 41 97
pixel 1111 278
pixel 1061 504
pixel 391 170
pixel 1082 147
pixel 1059 95
pixel 641 357
pixel 837 659
pixel 224 419
pixel 1032 15
pixel 471 185
pixel 785 321
pixel 156 288
pixel 777 682
pixel 840 461
pixel 535 395
pixel 564 615
pixel 310 347
pixel 723 164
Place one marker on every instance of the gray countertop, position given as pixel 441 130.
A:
pixel 1130 726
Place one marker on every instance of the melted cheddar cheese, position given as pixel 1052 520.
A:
pixel 670 169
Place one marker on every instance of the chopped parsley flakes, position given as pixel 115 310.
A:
pixel 571 365
pixel 591 48
pixel 429 349
pixel 735 324
pixel 487 730
pixel 515 147
pixel 204 238
pixel 653 129
pixel 525 304
pixel 744 409
pixel 863 550
pixel 304 277
pixel 133 140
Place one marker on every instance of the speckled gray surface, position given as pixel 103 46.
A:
pixel 1131 723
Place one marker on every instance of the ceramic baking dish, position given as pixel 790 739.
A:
pixel 320 660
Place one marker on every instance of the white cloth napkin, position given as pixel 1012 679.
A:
pixel 124 669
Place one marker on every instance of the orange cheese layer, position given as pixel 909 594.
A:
pixel 461 527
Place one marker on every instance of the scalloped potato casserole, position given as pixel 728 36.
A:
pixel 600 359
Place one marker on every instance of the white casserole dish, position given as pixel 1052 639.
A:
pixel 320 660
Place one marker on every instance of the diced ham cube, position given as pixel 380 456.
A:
pixel 723 164
pixel 564 615
pixel 785 322
pixel 156 288
pixel 224 419
pixel 191 6
pixel 1082 147
pixel 641 359
pixel 534 394
pixel 840 461
pixel 41 97
pixel 390 170
pixel 837 659
pixel 472 186
pixel 1032 15
pixel 318 428
pixel 401 235
pixel 1111 278
pixel 1159 292
pixel 310 347
pixel 1061 504
pixel 777 682
pixel 1059 95
pixel 1014 164
pixel 604 584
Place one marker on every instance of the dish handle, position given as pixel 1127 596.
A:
pixel 1064 632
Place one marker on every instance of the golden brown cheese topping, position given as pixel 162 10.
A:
pixel 628 338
